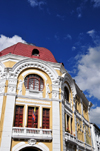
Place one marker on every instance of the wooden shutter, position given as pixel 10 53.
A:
pixel 18 116
pixel 46 119
pixel 31 122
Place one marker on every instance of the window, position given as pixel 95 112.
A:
pixel 31 122
pixel 35 52
pixel 67 122
pixel 18 116
pixel 45 120
pixel 66 93
pixel 34 82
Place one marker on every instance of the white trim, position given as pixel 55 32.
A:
pixel 10 59
pixel 66 85
pixel 32 104
pixel 40 116
pixel 70 114
pixel 25 122
pixel 35 63
pixel 67 78
pixel 41 102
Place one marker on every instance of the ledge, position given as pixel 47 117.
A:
pixel 28 133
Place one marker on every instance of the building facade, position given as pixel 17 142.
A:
pixel 41 106
pixel 95 133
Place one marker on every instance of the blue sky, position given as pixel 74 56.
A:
pixel 70 29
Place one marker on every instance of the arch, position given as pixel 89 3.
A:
pixel 22 145
pixel 24 74
pixel 34 63
pixel 68 78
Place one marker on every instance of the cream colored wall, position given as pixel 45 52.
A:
pixel 9 64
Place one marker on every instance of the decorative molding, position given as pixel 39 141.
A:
pixel 47 90
pixel 33 101
pixel 22 145
pixel 33 63
pixel 67 78
pixel 55 94
pixel 31 142
pixel 20 86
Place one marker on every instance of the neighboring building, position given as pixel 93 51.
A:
pixel 95 133
pixel 41 107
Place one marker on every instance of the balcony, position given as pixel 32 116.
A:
pixel 29 133
pixel 88 147
pixel 85 121
pixel 78 114
pixel 80 143
pixel 70 138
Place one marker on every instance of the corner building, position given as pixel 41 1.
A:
pixel 32 81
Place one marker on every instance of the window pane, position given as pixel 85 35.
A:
pixel 31 122
pixel 34 82
pixel 45 122
pixel 18 116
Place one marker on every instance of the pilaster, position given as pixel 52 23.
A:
pixel 9 113
pixel 55 117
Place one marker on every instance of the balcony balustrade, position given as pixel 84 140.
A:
pixel 88 146
pixel 35 133
pixel 70 138
pixel 78 114
pixel 80 143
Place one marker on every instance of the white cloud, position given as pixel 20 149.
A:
pixel 73 48
pixel 79 11
pixel 95 36
pixel 88 77
pixel 95 115
pixel 91 33
pixel 96 3
pixel 68 36
pixel 35 3
pixel 7 42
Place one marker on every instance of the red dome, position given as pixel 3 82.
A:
pixel 29 51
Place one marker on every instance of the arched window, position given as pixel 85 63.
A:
pixel 66 94
pixel 34 82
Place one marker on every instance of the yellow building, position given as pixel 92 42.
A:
pixel 41 107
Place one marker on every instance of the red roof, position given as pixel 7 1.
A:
pixel 26 50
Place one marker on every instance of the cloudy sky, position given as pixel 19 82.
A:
pixel 70 29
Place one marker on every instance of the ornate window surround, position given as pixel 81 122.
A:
pixel 34 63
